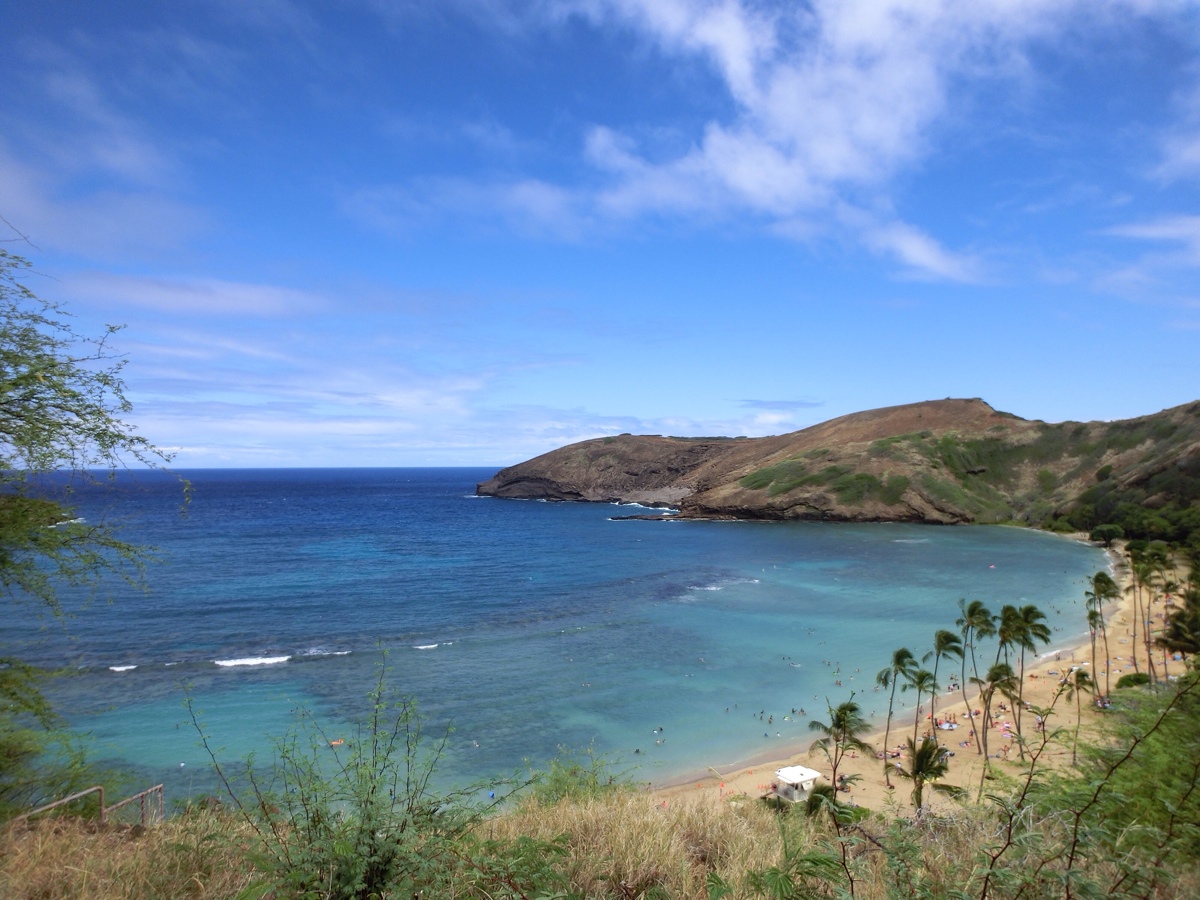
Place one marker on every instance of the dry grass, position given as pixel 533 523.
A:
pixel 199 854
pixel 627 843
pixel 620 846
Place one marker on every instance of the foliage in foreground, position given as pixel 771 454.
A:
pixel 62 424
pixel 362 819
pixel 1122 825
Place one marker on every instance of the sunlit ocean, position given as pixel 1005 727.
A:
pixel 527 627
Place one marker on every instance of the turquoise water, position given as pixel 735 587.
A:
pixel 527 626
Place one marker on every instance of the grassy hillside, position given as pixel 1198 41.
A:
pixel 1142 475
pixel 946 461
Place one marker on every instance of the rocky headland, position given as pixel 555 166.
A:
pixel 943 461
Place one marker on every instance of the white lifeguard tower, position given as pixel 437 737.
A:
pixel 795 783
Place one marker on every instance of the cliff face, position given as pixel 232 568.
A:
pixel 943 461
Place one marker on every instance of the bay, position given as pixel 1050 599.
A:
pixel 528 627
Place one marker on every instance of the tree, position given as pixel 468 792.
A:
pixel 1030 629
pixel 1075 686
pixel 1142 570
pixel 1008 628
pixel 1104 590
pixel 926 764
pixel 945 643
pixel 975 622
pixel 1164 570
pixel 903 664
pixel 1106 534
pixel 1182 632
pixel 843 732
pixel 62 402
pixel 922 682
pixel 999 678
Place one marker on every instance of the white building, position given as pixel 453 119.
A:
pixel 795 783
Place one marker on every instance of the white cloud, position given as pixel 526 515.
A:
pixel 183 297
pixel 1183 231
pixel 529 206
pixel 831 101
pixel 919 253
pixel 1181 143
pixel 81 176
pixel 101 140
pixel 118 220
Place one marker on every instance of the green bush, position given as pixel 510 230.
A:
pixel 1106 534
pixel 894 489
pixel 363 819
pixel 854 489
pixel 1133 679
pixel 577 775
pixel 1046 481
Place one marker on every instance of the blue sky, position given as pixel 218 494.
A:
pixel 360 232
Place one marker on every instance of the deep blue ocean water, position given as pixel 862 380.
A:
pixel 528 626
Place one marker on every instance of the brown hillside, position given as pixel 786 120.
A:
pixel 944 461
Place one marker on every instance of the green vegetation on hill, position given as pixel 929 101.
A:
pixel 1141 476
pixel 1166 506
pixel 850 487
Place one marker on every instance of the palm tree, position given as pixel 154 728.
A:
pixel 1169 586
pixel 843 732
pixel 945 643
pixel 1104 590
pixel 1030 629
pixel 926 764
pixel 1142 571
pixel 1008 626
pixel 1182 632
pixel 1076 685
pixel 975 622
pixel 903 663
pixel 1160 561
pixel 922 682
pixel 1000 678
pixel 1094 620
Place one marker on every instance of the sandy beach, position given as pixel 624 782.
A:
pixel 1043 675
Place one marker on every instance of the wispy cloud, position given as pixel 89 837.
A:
pixel 117 220
pixel 84 176
pixel 1181 142
pixel 921 255
pixel 1161 270
pixel 102 140
pixel 832 101
pixel 781 405
pixel 528 206
pixel 185 297
pixel 1183 231
pixel 829 103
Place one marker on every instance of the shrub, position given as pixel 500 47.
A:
pixel 1106 534
pixel 370 823
pixel 1046 481
pixel 1133 679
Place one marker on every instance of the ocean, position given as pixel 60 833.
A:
pixel 528 628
